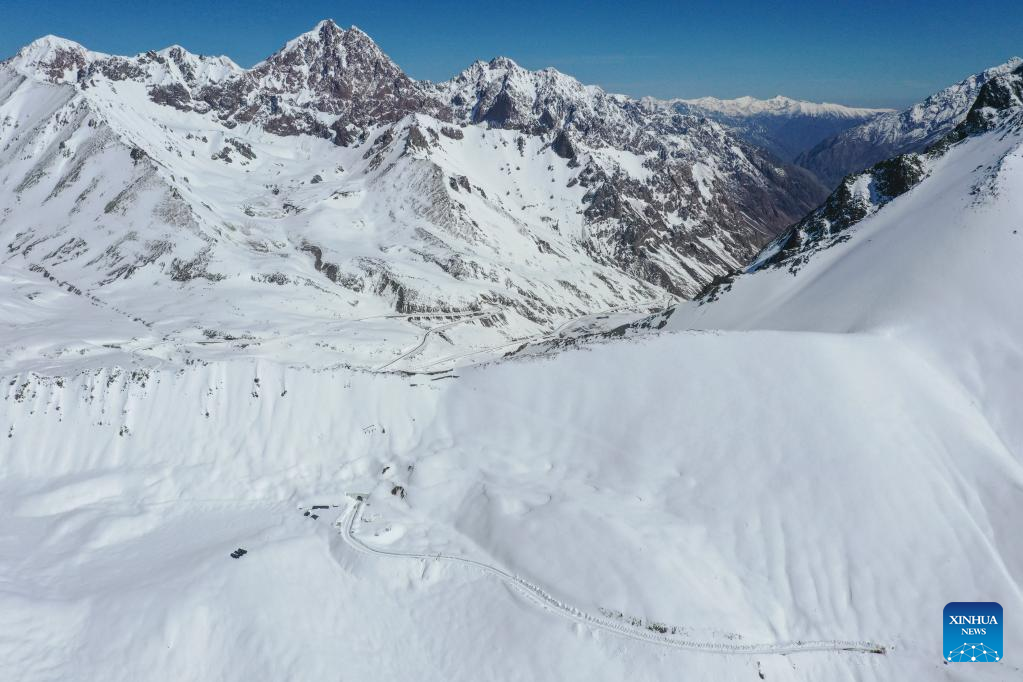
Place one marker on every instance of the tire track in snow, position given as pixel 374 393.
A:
pixel 541 598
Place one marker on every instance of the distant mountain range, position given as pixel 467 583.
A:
pixel 785 127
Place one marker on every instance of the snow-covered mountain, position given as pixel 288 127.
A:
pixel 199 199
pixel 914 264
pixel 786 482
pixel 750 107
pixel 786 479
pixel 900 132
pixel 998 105
pixel 786 127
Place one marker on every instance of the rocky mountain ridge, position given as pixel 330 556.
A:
pixel 325 174
pixel 998 105
pixel 894 133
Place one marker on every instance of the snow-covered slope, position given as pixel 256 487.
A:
pixel 688 513
pixel 786 482
pixel 921 248
pixel 786 127
pixel 829 455
pixel 900 132
pixel 204 202
pixel 660 184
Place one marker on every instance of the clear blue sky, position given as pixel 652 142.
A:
pixel 862 53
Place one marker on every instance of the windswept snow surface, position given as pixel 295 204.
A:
pixel 661 635
pixel 827 456
pixel 936 269
pixel 740 488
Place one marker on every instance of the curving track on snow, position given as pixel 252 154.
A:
pixel 538 596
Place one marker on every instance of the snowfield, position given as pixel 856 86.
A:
pixel 787 480
pixel 823 487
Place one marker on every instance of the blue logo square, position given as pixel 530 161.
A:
pixel 973 632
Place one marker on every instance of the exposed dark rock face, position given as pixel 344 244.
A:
pixel 500 113
pixel 562 146
pixel 329 270
pixel 63 60
pixel 174 95
pixel 340 73
pixel 856 197
pixel 416 140
pixel 997 98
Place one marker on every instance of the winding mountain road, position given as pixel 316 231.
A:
pixel 422 342
pixel 533 339
pixel 541 598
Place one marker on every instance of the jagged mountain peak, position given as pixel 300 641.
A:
pixel 195 69
pixel 330 48
pixel 562 175
pixel 506 65
pixel 1010 64
pixel 48 44
pixel 507 71
pixel 59 60
pixel 961 94
pixel 181 54
pixel 54 58
pixel 328 25
pixel 503 93
pixel 502 62
pixel 326 31
pixel 328 70
pixel 999 99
